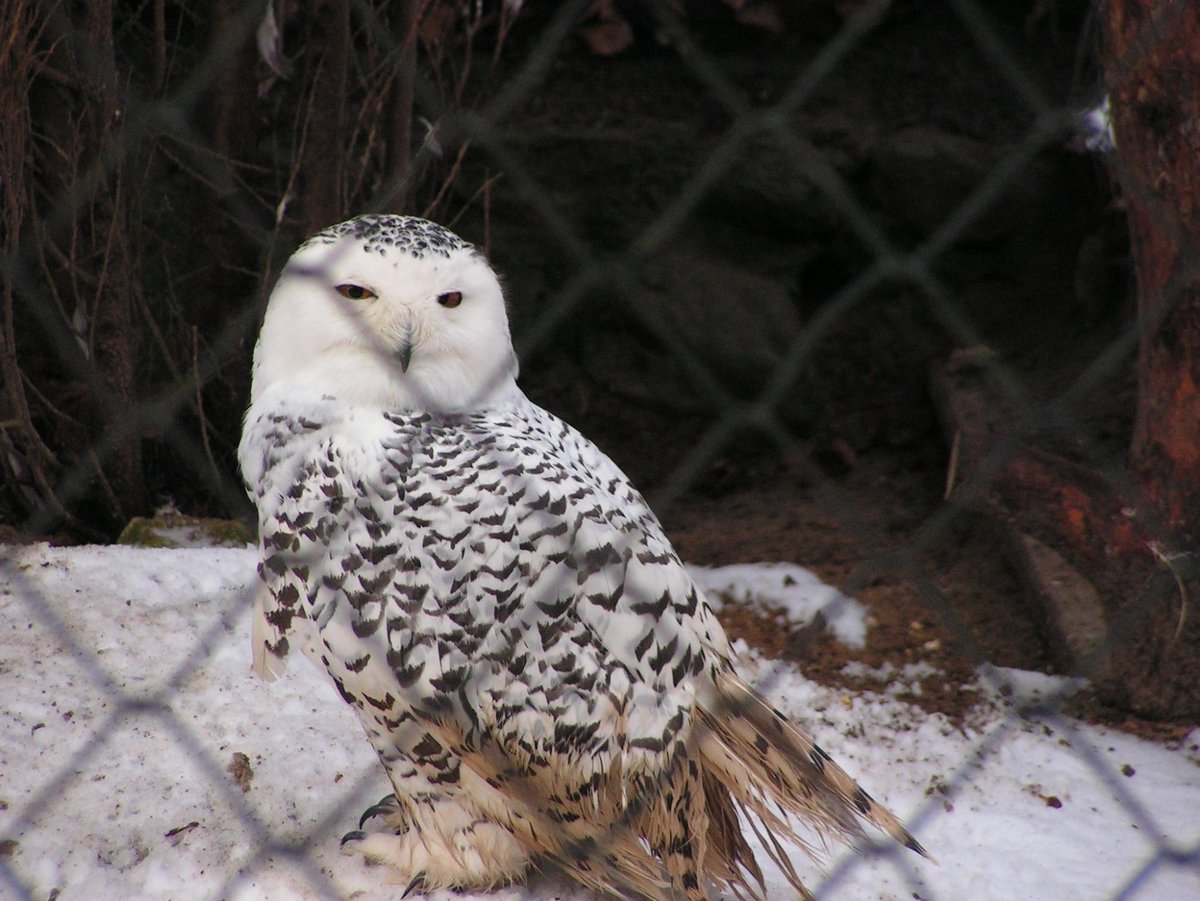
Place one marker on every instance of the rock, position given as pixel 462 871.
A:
pixel 1078 629
pixel 177 530
pixel 921 176
pixel 768 190
pixel 737 322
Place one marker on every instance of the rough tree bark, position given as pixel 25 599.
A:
pixel 325 148
pixel 116 296
pixel 230 115
pixel 1154 78
pixel 398 159
pixel 1152 69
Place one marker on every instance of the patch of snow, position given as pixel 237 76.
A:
pixel 127 691
pixel 789 590
pixel 898 680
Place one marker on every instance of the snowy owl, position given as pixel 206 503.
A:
pixel 540 677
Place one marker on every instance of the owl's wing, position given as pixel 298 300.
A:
pixel 299 509
pixel 601 556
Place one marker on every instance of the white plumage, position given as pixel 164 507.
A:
pixel 540 677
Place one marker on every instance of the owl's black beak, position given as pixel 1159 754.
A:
pixel 405 350
pixel 404 355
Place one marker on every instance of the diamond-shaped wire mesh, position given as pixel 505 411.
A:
pixel 172 108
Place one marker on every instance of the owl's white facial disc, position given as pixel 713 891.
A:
pixel 388 311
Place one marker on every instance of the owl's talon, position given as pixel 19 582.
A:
pixel 481 855
pixel 417 883
pixel 385 805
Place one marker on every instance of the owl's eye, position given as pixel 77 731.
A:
pixel 355 292
pixel 450 299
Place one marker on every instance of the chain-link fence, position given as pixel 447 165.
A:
pixel 130 317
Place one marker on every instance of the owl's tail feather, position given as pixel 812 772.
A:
pixel 776 773
pixel 268 665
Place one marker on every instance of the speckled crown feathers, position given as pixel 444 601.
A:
pixel 380 233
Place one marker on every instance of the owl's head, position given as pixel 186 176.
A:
pixel 388 311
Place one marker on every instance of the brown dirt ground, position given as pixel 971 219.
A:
pixel 952 606
pixel 982 617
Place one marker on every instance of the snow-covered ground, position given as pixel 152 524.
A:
pixel 128 703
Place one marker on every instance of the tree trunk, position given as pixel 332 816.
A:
pixel 115 297
pixel 1154 79
pixel 231 119
pixel 398 161
pixel 1152 68
pixel 325 147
